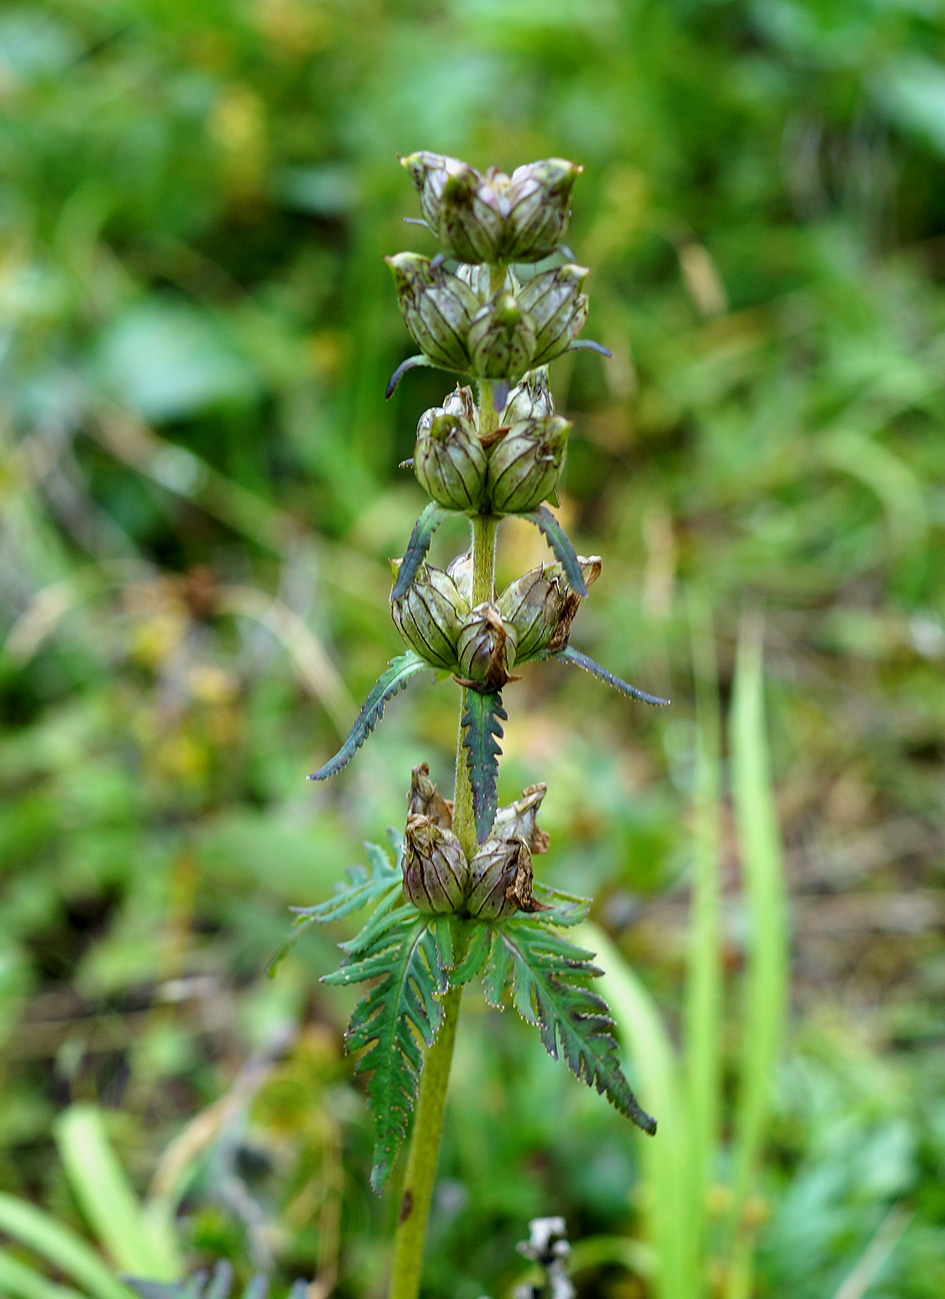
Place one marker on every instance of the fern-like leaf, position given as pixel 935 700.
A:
pixel 391 682
pixel 579 660
pixel 482 731
pixel 399 1013
pixel 380 884
pixel 548 978
pixel 431 516
pixel 559 542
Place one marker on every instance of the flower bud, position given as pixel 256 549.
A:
pixel 517 821
pixel 539 196
pixel 459 402
pixel 430 614
pixel 437 308
pixel 501 339
pixel 471 221
pixel 436 873
pixel 426 800
pixel 525 466
pixel 541 605
pixel 429 173
pixel 485 647
pixel 461 571
pixel 531 399
pixel 558 307
pixel 450 462
pixel 500 879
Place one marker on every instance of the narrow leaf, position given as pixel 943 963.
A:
pixel 430 519
pixel 588 345
pixel 579 660
pixel 362 888
pixel 60 1246
pixel 558 540
pixel 549 977
pixel 481 732
pixel 411 363
pixel 20 1281
pixel 107 1199
pixel 390 683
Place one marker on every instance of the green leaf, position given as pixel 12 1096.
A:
pixel 564 909
pixel 481 732
pixel 107 1199
pixel 579 660
pixel 411 363
pixel 558 540
pixel 19 1281
pixel 430 519
pixel 60 1246
pixel 380 884
pixel 391 1021
pixel 478 937
pixel 399 671
pixel 548 978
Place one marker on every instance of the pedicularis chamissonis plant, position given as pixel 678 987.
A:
pixel 458 898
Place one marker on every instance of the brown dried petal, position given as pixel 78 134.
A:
pixel 426 800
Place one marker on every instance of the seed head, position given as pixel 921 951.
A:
pixel 500 879
pixel 485 648
pixel 436 873
pixel 430 614
pixel 525 466
pixel 541 605
pixel 558 307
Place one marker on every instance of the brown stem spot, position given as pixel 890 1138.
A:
pixel 406 1205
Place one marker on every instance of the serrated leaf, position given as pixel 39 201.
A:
pixel 399 671
pixel 579 660
pixel 381 886
pixel 481 732
pixel 478 936
pixel 565 909
pixel 399 1013
pixel 559 542
pixel 548 978
pixel 442 930
pixel 430 519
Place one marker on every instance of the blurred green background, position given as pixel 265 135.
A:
pixel 199 493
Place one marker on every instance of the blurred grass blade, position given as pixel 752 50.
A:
pixel 665 1157
pixel 766 971
pixel 59 1246
pixel 876 1255
pixel 20 1281
pixel 703 1011
pixel 108 1201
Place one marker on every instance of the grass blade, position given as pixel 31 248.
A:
pixel 664 1158
pixel 107 1199
pixel 59 1246
pixel 20 1281
pixel 766 974
pixel 703 1010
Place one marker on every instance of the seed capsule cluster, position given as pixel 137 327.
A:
pixel 495 882
pixel 509 470
pixel 480 645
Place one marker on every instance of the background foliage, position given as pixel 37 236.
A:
pixel 199 494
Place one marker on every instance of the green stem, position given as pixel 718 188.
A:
pixel 428 1118
pixel 424 1150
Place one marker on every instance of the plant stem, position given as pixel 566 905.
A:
pixel 428 1119
pixel 424 1149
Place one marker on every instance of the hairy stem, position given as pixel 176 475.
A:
pixel 428 1119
